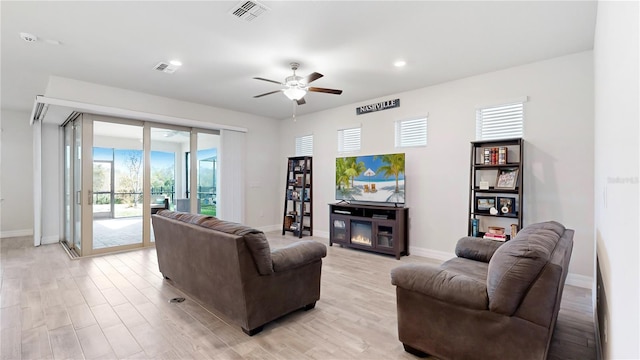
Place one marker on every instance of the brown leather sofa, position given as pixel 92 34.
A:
pixel 231 269
pixel 494 301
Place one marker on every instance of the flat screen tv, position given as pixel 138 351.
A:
pixel 371 178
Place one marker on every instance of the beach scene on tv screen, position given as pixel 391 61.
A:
pixel 375 178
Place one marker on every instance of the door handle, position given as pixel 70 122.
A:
pixel 78 198
pixel 90 193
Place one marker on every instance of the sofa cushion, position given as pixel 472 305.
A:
pixel 441 284
pixel 516 264
pixel 255 239
pixel 297 254
pixel 478 249
pixel 475 270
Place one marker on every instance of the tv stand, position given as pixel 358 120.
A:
pixel 381 229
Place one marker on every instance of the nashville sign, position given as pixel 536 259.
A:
pixel 389 104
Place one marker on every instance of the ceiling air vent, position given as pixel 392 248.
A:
pixel 165 68
pixel 248 10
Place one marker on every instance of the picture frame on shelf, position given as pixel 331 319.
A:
pixel 506 205
pixel 484 203
pixel 507 179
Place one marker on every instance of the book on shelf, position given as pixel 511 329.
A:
pixel 502 155
pixel 496 237
pixel 494 155
pixel 474 227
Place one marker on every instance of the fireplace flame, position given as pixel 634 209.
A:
pixel 359 239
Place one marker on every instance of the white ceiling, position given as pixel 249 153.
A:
pixel 353 43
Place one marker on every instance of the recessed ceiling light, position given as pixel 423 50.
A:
pixel 400 63
pixel 175 62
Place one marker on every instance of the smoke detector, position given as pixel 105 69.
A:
pixel 28 37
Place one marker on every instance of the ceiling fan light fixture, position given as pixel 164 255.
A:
pixel 294 93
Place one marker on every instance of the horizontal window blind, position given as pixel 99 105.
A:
pixel 304 145
pixel 349 140
pixel 411 132
pixel 500 122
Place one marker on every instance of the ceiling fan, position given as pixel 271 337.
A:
pixel 296 87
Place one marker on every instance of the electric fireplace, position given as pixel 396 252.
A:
pixel 361 232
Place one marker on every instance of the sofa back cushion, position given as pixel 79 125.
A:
pixel 254 239
pixel 516 265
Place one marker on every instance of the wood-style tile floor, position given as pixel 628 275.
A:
pixel 116 307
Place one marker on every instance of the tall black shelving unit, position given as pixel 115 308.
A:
pixel 489 159
pixel 298 197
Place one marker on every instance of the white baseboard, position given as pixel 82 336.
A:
pixel 51 239
pixel 16 233
pixel 431 254
pixel 270 228
pixel 580 281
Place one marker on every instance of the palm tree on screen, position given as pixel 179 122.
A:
pixel 354 168
pixel 393 166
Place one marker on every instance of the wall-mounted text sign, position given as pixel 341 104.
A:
pixel 384 105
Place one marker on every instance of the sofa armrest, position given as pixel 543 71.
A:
pixel 477 249
pixel 297 254
pixel 442 285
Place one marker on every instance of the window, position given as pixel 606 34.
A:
pixel 304 145
pixel 349 140
pixel 411 132
pixel 500 122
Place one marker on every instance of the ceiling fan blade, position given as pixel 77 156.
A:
pixel 273 81
pixel 326 91
pixel 313 77
pixel 301 101
pixel 269 93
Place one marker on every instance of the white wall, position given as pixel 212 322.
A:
pixel 616 173
pixel 558 172
pixel 16 174
pixel 52 183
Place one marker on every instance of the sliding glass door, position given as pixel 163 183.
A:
pixel 120 172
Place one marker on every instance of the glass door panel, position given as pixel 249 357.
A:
pixel 339 231
pixel 206 168
pixel 103 205
pixel 384 234
pixel 120 146
pixel 167 162
pixel 77 185
pixel 68 184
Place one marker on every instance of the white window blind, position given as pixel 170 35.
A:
pixel 411 132
pixel 500 122
pixel 304 145
pixel 349 140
